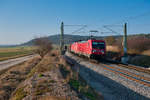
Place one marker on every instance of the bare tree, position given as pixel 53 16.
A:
pixel 44 46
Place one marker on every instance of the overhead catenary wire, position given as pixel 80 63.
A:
pixel 133 17
pixel 108 27
pixel 78 30
pixel 74 25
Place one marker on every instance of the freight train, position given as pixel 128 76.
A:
pixel 91 48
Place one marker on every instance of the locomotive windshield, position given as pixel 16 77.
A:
pixel 98 45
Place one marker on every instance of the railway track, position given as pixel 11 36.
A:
pixel 131 83
pixel 129 66
pixel 131 76
pixel 136 68
pixel 124 73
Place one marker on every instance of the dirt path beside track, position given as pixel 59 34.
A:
pixel 11 62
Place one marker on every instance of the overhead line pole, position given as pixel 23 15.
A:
pixel 125 58
pixel 125 40
pixel 62 39
pixel 62 48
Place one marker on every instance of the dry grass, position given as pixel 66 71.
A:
pixel 130 50
pixel 16 49
pixel 113 48
pixel 46 64
pixel 136 57
pixel 42 83
pixel 15 52
pixel 20 94
pixel 14 76
pixel 146 52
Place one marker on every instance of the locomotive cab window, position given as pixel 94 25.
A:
pixel 98 45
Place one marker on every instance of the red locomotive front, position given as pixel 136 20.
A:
pixel 90 48
pixel 98 48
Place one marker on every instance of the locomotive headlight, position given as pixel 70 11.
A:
pixel 93 50
pixel 102 51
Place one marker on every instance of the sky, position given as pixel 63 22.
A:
pixel 23 20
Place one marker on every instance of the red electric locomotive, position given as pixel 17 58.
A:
pixel 90 48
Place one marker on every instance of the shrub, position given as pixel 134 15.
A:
pixel 44 46
pixel 41 75
pixel 138 44
pixel 110 40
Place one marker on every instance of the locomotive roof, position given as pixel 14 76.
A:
pixel 88 40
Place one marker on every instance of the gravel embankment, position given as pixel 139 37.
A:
pixel 50 84
pixel 45 82
pixel 111 85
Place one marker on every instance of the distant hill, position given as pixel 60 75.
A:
pixel 55 39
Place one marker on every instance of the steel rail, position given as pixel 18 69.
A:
pixel 127 75
pixel 127 72
pixel 136 68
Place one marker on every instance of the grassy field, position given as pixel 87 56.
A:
pixel 14 52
